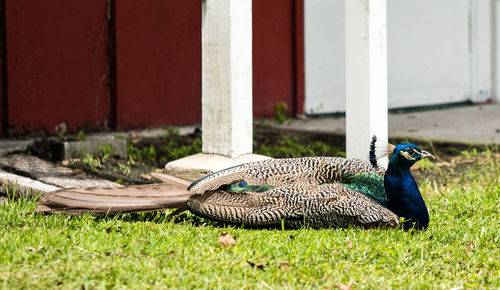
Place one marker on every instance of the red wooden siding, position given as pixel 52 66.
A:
pixel 3 69
pixel 275 75
pixel 131 63
pixel 158 62
pixel 56 63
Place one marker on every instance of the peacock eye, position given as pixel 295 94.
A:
pixel 242 184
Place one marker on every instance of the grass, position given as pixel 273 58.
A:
pixel 147 250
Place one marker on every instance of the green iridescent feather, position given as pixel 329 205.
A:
pixel 369 184
pixel 235 187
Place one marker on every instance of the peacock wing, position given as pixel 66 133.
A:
pixel 286 172
pixel 336 205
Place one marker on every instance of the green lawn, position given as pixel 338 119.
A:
pixel 461 248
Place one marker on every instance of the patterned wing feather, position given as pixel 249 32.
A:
pixel 286 172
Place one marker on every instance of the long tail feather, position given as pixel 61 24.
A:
pixel 172 179
pixel 137 198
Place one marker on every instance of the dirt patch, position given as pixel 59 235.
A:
pixel 146 155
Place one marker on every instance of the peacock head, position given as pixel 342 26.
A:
pixel 407 154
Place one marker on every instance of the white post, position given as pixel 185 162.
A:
pixel 481 25
pixel 227 77
pixel 366 75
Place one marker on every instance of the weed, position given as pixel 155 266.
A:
pixel 106 151
pixel 92 162
pixel 145 154
pixel 280 110
pixel 292 147
pixel 170 132
pixel 80 136
pixel 124 168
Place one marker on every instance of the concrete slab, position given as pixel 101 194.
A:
pixel 48 173
pixel 74 149
pixel 468 124
pixel 25 186
pixel 10 146
pixel 196 166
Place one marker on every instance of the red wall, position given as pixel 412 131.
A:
pixel 158 62
pixel 56 63
pixel 3 68
pixel 67 61
pixel 274 55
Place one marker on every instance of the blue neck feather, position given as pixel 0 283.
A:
pixel 404 196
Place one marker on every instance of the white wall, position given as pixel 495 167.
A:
pixel 324 56
pixel 438 52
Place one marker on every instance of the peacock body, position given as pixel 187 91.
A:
pixel 312 191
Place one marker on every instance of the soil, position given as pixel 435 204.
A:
pixel 263 135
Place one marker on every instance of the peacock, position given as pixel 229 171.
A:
pixel 316 192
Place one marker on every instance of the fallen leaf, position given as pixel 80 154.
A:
pixel 77 171
pixel 344 286
pixel 471 246
pixel 59 232
pixel 33 249
pixel 349 244
pixel 225 239
pixel 256 265
pixel 65 162
pixel 146 176
pixel 284 266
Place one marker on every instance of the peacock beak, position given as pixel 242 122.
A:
pixel 426 154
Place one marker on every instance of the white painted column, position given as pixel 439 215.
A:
pixel 481 73
pixel 227 77
pixel 366 75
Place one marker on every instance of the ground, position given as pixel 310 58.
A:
pixel 151 154
pixel 150 250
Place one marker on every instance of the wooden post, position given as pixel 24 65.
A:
pixel 366 75
pixel 227 77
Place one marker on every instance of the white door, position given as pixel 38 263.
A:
pixel 437 53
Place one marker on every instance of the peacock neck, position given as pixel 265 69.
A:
pixel 404 196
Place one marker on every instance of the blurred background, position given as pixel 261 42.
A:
pixel 107 64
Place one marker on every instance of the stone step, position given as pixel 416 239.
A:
pixel 33 175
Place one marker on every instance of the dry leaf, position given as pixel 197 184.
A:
pixel 65 162
pixel 284 266
pixel 471 246
pixel 256 265
pixel 349 244
pixel 146 176
pixel 60 231
pixel 225 239
pixel 344 286
pixel 33 249
pixel 77 171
